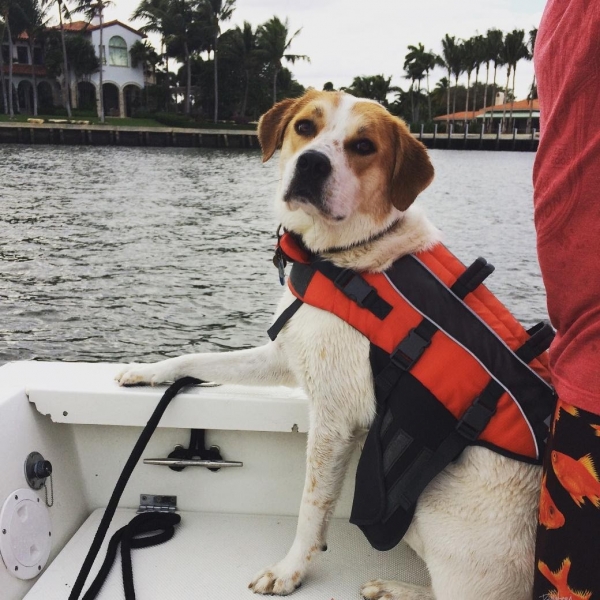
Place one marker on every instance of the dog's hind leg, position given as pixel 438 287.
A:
pixel 265 365
pixel 327 458
pixel 379 589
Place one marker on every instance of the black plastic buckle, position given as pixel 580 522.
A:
pixel 409 350
pixel 354 286
pixel 475 420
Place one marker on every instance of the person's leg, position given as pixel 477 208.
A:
pixel 567 562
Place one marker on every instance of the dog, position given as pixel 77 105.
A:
pixel 350 172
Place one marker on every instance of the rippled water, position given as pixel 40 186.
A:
pixel 115 254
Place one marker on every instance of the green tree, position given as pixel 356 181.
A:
pixel 515 49
pixel 36 20
pixel 63 11
pixel 375 87
pixel 2 78
pixel 479 57
pixel 468 58
pixel 213 13
pixel 452 60
pixel 7 11
pixel 240 44
pixel 274 42
pixel 494 53
pixel 533 91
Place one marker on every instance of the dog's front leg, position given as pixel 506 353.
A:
pixel 328 453
pixel 265 365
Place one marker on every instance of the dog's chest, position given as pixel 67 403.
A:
pixel 330 360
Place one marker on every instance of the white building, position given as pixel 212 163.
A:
pixel 24 66
pixel 122 83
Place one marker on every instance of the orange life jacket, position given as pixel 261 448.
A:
pixel 451 366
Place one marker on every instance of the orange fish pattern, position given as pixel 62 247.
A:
pixel 569 509
pixel 559 580
pixel 550 517
pixel 578 477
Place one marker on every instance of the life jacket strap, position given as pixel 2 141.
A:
pixel 352 285
pixel 404 356
pixel 283 318
pixel 474 276
pixel 541 336
pixel 407 489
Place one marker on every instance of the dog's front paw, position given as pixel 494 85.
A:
pixel 279 579
pixel 379 589
pixel 135 374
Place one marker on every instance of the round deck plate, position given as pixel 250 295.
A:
pixel 25 534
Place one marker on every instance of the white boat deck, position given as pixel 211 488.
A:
pixel 214 556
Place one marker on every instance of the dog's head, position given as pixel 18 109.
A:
pixel 346 165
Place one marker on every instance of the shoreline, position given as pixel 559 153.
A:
pixel 180 137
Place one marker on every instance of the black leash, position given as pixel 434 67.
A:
pixel 138 523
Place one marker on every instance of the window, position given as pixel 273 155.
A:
pixel 5 54
pixel 102 53
pixel 22 55
pixel 117 51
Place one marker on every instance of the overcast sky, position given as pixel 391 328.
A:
pixel 345 38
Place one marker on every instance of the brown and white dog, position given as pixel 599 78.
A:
pixel 350 171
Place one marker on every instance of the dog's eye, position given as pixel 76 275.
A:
pixel 363 147
pixel 305 128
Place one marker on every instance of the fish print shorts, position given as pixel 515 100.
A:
pixel 568 539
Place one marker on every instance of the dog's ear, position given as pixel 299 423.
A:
pixel 413 170
pixel 272 124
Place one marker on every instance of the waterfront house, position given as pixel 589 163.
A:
pixel 25 64
pixel 522 111
pixel 122 82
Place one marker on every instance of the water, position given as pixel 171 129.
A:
pixel 115 254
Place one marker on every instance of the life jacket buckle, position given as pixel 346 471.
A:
pixel 475 419
pixel 409 350
pixel 355 287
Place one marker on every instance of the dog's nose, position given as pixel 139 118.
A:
pixel 313 164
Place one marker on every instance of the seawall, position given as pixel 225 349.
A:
pixel 103 135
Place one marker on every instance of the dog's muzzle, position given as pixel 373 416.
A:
pixel 313 169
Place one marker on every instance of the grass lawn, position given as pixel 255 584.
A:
pixel 178 121
pixel 92 120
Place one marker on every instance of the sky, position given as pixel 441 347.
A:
pixel 346 38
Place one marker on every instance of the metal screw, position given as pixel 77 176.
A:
pixel 65 413
pixel 39 567
pixel 50 533
pixel 4 531
pixel 16 497
pixel 16 568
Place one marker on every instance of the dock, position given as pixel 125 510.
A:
pixel 103 135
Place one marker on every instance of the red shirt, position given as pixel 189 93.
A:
pixel 567 193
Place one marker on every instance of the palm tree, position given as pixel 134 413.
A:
pixel 453 62
pixel 152 12
pixel 448 44
pixel 515 49
pixel 35 23
pixel 494 47
pixel 2 79
pixel 533 91
pixel 479 57
pixel 274 43
pixel 241 46
pixel 63 10
pixel 415 71
pixel 375 87
pixel 6 8
pixel 467 50
pixel 215 12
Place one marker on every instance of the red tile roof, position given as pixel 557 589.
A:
pixel 85 26
pixel 516 106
